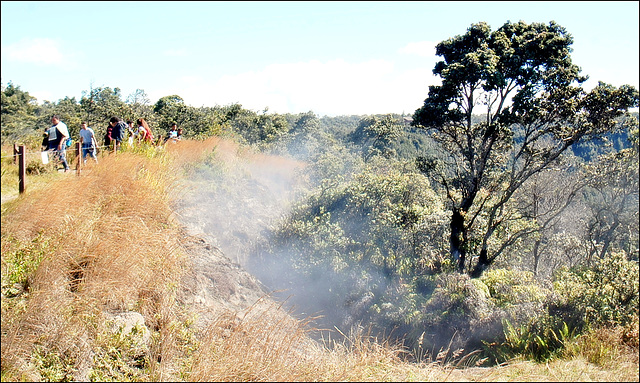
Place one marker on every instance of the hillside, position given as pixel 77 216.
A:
pixel 225 209
pixel 107 246
pixel 133 271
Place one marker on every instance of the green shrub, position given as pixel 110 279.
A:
pixel 603 295
pixel 121 356
pixel 512 287
pixel 21 261
pixel 537 340
pixel 361 248
pixel 53 365
pixel 605 347
pixel 454 314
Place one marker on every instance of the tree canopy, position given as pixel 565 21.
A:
pixel 522 81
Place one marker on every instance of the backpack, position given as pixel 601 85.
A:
pixel 69 142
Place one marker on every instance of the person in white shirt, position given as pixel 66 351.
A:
pixel 57 139
pixel 88 140
pixel 173 133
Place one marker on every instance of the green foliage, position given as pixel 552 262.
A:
pixel 614 141
pixel 17 113
pixel 22 261
pixel 377 134
pixel 521 79
pixel 512 287
pixel 335 162
pixel 612 198
pixel 139 106
pixel 531 341
pixel 121 356
pixel 603 295
pixel 98 105
pixel 450 314
pixel 70 113
pixel 305 138
pixel 371 235
pixel 340 126
pixel 170 109
pixel 373 220
pixel 263 129
pixel 583 298
pixel 53 365
pixel 387 135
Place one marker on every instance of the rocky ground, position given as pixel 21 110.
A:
pixel 226 213
pixel 215 284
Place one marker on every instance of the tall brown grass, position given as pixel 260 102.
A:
pixel 111 247
pixel 79 248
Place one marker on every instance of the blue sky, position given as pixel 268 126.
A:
pixel 332 58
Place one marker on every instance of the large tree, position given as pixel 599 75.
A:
pixel 170 109
pixel 99 105
pixel 612 198
pixel 377 134
pixel 521 80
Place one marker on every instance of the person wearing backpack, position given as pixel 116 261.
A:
pixel 119 128
pixel 57 136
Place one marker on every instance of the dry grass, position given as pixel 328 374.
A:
pixel 613 349
pixel 110 247
pixel 78 248
pixel 268 345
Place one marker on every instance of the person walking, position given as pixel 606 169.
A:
pixel 144 131
pixel 107 136
pixel 132 131
pixel 57 136
pixel 88 140
pixel 119 128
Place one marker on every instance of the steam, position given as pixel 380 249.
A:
pixel 237 201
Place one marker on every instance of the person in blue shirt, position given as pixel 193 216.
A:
pixel 88 140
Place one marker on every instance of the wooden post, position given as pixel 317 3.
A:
pixel 79 158
pixel 22 162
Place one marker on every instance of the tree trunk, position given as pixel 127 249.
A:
pixel 536 257
pixel 456 243
pixel 482 265
pixel 608 238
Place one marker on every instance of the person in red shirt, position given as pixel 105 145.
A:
pixel 144 131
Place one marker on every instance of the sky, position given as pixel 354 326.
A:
pixel 330 58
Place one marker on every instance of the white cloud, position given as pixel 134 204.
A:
pixel 420 48
pixel 332 88
pixel 41 51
